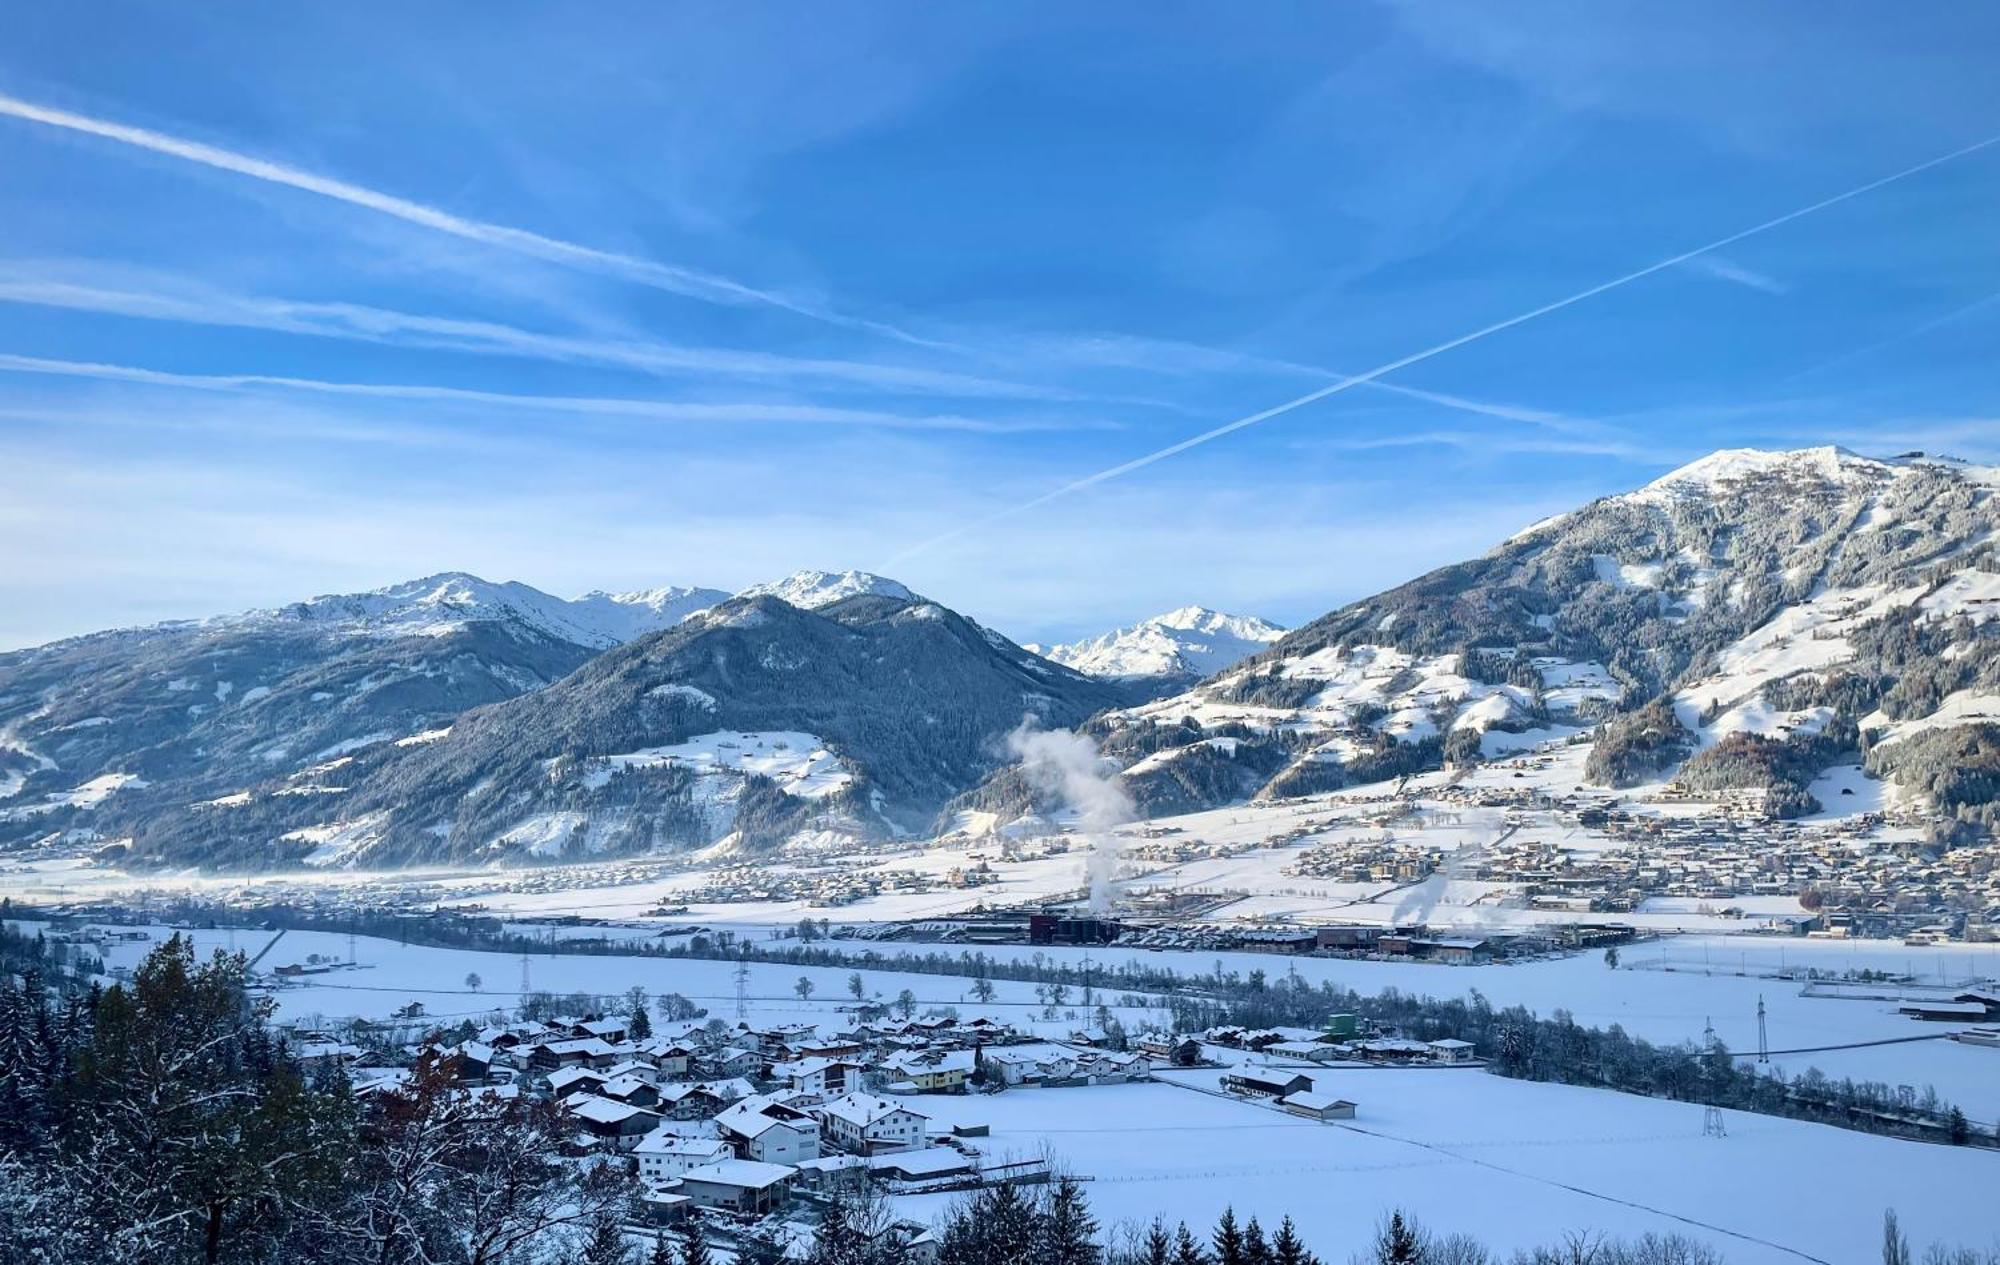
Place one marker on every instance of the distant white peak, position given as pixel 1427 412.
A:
pixel 626 616
pixel 438 604
pixel 809 590
pixel 1193 640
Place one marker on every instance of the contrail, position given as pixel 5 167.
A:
pixel 1486 331
pixel 602 406
pixel 359 323
pixel 669 277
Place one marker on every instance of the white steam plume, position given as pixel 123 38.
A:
pixel 1068 765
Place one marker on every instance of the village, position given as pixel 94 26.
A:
pixel 751 1127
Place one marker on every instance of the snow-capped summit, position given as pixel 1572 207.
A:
pixel 809 590
pixel 626 616
pixel 1192 641
pixel 1713 473
pixel 440 603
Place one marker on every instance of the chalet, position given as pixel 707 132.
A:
pixel 1317 1105
pixel 565 1081
pixel 615 1123
pixel 1266 1084
pixel 581 1051
pixel 608 1030
pixel 1179 1051
pixel 672 1058
pixel 769 1132
pixel 664 1155
pixel 931 1071
pixel 745 1186
pixel 631 1089
pixel 699 1100
pixel 732 1060
pixel 1027 1067
pixel 867 1125
pixel 826 1078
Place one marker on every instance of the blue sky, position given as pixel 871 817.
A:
pixel 297 299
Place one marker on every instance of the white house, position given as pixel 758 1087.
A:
pixel 868 1125
pixel 823 1078
pixel 769 1132
pixel 663 1155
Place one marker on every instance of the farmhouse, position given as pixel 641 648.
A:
pixel 1269 1085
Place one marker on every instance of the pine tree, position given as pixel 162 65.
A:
pixel 1068 1231
pixel 1228 1240
pixel 1186 1250
pixel 1400 1243
pixel 1286 1249
pixel 694 1243
pixel 1159 1244
pixel 642 1025
pixel 1255 1250
pixel 662 1252
pixel 606 1244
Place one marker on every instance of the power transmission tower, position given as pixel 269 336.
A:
pixel 743 983
pixel 353 954
pixel 1711 1123
pixel 1763 1036
pixel 526 987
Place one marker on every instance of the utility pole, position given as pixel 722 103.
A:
pixel 1763 1035
pixel 743 982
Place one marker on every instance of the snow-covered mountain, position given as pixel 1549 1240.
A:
pixel 810 590
pixel 1745 622
pixel 1187 643
pixel 438 604
pixel 749 724
pixel 184 711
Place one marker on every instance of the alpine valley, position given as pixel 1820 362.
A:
pixel 1735 633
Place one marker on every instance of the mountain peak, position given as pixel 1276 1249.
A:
pixel 1728 465
pixel 810 590
pixel 1188 641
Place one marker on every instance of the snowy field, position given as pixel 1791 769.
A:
pixel 1714 980
pixel 390 975
pixel 1515 1163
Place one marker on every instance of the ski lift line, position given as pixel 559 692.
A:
pixel 1418 357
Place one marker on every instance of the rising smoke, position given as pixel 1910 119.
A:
pixel 1068 766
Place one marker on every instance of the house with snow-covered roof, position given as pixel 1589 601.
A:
pixel 770 1131
pixel 663 1155
pixel 867 1124
pixel 745 1186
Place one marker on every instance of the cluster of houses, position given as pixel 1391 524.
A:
pixel 746 1120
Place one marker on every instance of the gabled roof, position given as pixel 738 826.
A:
pixel 603 1110
pixel 863 1110
pixel 748 1174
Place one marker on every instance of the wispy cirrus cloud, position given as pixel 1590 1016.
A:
pixel 363 323
pixel 1736 274
pixel 674 278
pixel 732 414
